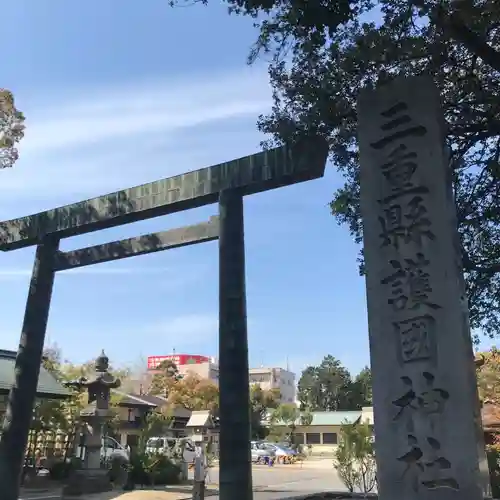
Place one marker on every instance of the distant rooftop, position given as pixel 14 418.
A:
pixel 48 386
pixel 268 369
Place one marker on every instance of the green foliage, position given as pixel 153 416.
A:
pixel 318 67
pixel 150 470
pixel 155 423
pixel 11 129
pixel 61 469
pixel 362 387
pixel 329 387
pixel 191 392
pixel 167 373
pixel 261 401
pixel 284 421
pixel 64 415
pixel 488 376
pixel 493 457
pixel 355 458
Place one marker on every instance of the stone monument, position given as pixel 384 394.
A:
pixel 425 398
pixel 92 478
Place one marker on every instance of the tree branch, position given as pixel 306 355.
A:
pixel 476 44
pixel 482 268
pixel 453 23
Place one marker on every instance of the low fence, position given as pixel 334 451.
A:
pixel 49 444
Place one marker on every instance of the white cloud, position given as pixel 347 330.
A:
pixel 114 136
pixel 141 108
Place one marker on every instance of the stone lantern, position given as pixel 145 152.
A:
pixel 92 478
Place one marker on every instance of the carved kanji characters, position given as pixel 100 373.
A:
pixel 397 126
pixel 399 170
pixel 400 167
pixel 408 226
pixel 428 401
pixel 408 400
pixel 432 399
pixel 410 284
pixel 416 338
pixel 413 461
pixel 427 465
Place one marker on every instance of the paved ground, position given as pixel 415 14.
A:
pixel 270 483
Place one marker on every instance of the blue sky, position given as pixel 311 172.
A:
pixel 117 95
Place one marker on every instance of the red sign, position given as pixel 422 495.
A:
pixel 178 359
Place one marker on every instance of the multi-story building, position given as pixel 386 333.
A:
pixel 275 378
pixel 209 370
pixel 203 366
pixel 206 367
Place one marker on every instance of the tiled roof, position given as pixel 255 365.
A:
pixel 332 418
pixel 149 401
pixel 48 386
pixel 490 414
pixel 131 399
pixel 335 417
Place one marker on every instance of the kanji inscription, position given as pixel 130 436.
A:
pixel 410 284
pixel 416 338
pixel 428 400
pixel 398 170
pixel 405 221
pixel 398 125
pixel 427 465
pixel 408 222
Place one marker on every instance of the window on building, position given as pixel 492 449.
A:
pixel 299 438
pixel 330 438
pixel 313 438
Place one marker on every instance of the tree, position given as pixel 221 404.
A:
pixel 323 52
pixel 284 422
pixel 328 387
pixel 261 401
pixel 316 86
pixel 166 376
pixel 11 129
pixel 362 388
pixel 488 376
pixel 155 423
pixel 191 392
pixel 64 415
pixel 355 458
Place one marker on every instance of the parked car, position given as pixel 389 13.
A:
pixel 282 453
pixel 260 453
pixel 110 450
pixel 167 445
pixel 285 447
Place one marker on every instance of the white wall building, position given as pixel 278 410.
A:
pixel 267 378
pixel 275 378
pixel 208 370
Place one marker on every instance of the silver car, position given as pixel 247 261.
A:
pixel 260 452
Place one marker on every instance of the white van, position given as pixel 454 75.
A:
pixel 166 445
pixel 110 449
